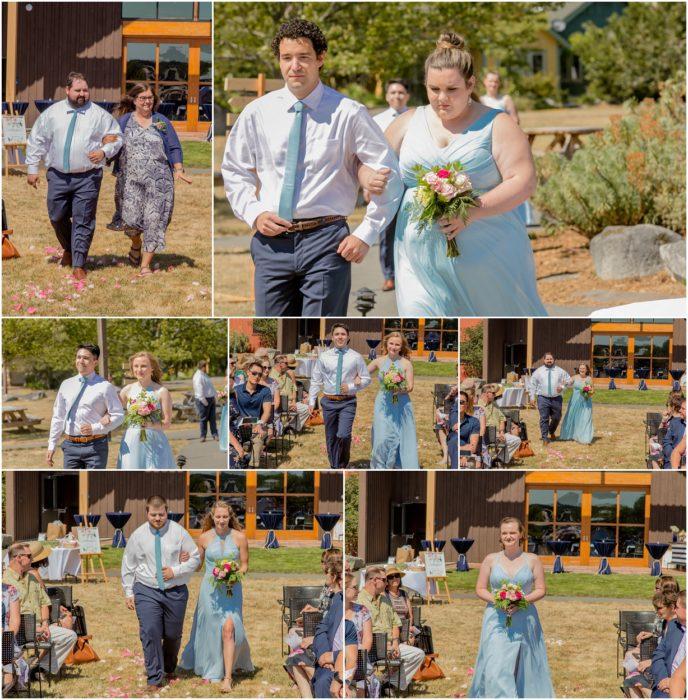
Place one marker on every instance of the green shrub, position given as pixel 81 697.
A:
pixel 633 172
pixel 351 514
pixel 536 91
pixel 238 342
pixel 472 351
pixel 266 328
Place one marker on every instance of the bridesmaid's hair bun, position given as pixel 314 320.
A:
pixel 449 40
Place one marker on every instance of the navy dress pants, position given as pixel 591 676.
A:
pixel 387 250
pixel 550 414
pixel 339 421
pixel 85 455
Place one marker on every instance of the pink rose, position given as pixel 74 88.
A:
pixel 228 566
pixel 216 571
pixel 222 574
pixel 444 174
pixel 447 192
pixel 519 595
pixel 437 186
pixel 502 595
pixel 511 596
pixel 397 378
pixel 430 178
pixel 462 182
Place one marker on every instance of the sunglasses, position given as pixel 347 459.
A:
pixel 255 374
pixel 266 367
pixel 394 576
pixel 462 403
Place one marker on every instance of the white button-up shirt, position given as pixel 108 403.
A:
pixel 202 386
pixel 384 119
pixel 324 375
pixel 338 133
pixel 47 138
pixel 100 398
pixel 138 562
pixel 560 377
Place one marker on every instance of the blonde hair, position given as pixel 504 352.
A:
pixel 208 523
pixel 521 529
pixel 451 53
pixel 156 372
pixel 405 351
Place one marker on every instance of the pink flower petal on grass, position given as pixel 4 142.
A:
pixel 127 652
pixel 31 310
pixel 112 679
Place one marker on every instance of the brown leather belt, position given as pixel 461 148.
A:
pixel 301 225
pixel 337 397
pixel 83 438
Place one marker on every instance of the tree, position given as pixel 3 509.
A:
pixel 266 328
pixel 351 514
pixel 635 52
pixel 472 350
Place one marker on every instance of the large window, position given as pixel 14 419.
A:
pixel 651 357
pixel 618 516
pixel 290 493
pixel 207 487
pixel 179 11
pixel 554 514
pixel 436 334
pixel 635 356
pixel 609 351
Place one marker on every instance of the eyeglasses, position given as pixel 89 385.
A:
pixel 145 99
pixel 379 578
pixel 394 576
pixel 266 367
pixel 23 554
pixel 462 403
pixel 255 374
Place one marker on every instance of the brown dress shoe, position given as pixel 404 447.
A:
pixel 66 259
pixel 79 273
pixel 388 286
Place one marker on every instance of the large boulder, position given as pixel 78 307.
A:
pixel 673 256
pixel 630 251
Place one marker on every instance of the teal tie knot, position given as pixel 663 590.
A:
pixel 286 201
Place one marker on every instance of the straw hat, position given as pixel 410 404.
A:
pixel 496 389
pixel 391 570
pixel 291 361
pixel 39 552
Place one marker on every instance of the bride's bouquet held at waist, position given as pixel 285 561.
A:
pixel 394 381
pixel 442 192
pixel 508 595
pixel 141 411
pixel 587 390
pixel 225 574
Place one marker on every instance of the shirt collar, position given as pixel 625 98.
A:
pixel 89 377
pixel 312 100
pixel 163 530
pixel 81 110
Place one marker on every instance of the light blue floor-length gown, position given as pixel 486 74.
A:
pixel 152 453
pixel 512 661
pixel 224 428
pixel 395 444
pixel 577 424
pixel 495 272
pixel 203 652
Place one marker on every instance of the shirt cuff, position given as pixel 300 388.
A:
pixel 252 212
pixel 32 169
pixel 52 444
pixel 365 233
pixel 97 426
pixel 111 149
pixel 128 592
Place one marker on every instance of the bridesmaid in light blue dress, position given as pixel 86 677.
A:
pixel 218 645
pixel 577 424
pixel 154 452
pixel 224 428
pixel 494 274
pixel 512 661
pixel 394 440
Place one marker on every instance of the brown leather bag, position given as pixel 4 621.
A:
pixel 525 450
pixel 315 419
pixel 429 670
pixel 83 652
pixel 9 250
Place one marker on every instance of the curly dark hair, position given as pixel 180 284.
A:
pixel 300 29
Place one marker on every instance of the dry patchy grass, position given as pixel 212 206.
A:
pixel 121 672
pixel 181 286
pixel 580 638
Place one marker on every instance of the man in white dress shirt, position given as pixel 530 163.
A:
pixel 86 409
pixel 340 373
pixel 158 561
pixel 290 173
pixel 548 383
pixel 74 138
pixel 205 396
pixel 397 96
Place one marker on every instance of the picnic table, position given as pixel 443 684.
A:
pixel 185 410
pixel 16 417
pixel 565 139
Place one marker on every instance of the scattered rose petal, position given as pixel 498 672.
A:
pixel 31 310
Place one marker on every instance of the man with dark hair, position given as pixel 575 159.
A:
pixel 86 409
pixel 339 372
pixel 291 173
pixel 254 401
pixel 74 137
pixel 206 397
pixel 548 383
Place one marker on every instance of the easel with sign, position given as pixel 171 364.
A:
pixel 13 139
pixel 91 554
pixel 435 576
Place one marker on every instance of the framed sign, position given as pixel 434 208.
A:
pixel 13 130
pixel 434 565
pixel 89 540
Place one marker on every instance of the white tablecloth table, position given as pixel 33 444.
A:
pixel 412 580
pixel 62 561
pixel 304 366
pixel 513 397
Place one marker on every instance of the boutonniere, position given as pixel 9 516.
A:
pixel 160 126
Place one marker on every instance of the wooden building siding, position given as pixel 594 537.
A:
pixel 568 338
pixel 374 515
pixel 667 504
pixel 109 491
pixel 678 360
pixel 54 39
pixel 331 492
pixel 23 494
pixel 495 335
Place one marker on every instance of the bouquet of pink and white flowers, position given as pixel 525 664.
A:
pixel 507 595
pixel 225 574
pixel 443 192
pixel 394 381
pixel 587 390
pixel 142 411
pixel 221 397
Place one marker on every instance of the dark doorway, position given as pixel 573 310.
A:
pixel 59 498
pixel 407 525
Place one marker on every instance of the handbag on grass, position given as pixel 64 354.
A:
pixel 9 250
pixel 315 419
pixel 82 653
pixel 525 450
pixel 429 670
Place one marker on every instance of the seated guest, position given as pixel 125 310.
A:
pixel 35 601
pixel 345 660
pixel 441 426
pixel 268 381
pixel 253 400
pixel 39 557
pixel 323 648
pixel 287 387
pixel 666 583
pixel 670 652
pixel 469 430
pixel 678 455
pixel 675 431
pixel 495 418
pixel 453 437
pixel 362 620
pixel 397 595
pixel 385 620
pixel 11 619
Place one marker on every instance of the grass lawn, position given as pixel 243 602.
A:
pixel 121 673
pixel 652 400
pixel 309 450
pixel 181 286
pixel 435 369
pixel 197 154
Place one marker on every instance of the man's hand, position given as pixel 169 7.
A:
pixel 663 684
pixel 130 603
pixel 353 249
pixel 184 556
pixel 167 573
pixel 43 630
pixel 311 410
pixel 105 420
pixel 394 651
pixel 374 181
pixel 270 224
pixel 96 156
pixel 86 429
pixel 49 457
pixel 344 388
pixel 32 181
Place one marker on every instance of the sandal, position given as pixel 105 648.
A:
pixel 135 254
pixel 226 686
pixel 145 271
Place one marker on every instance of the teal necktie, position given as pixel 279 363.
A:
pixel 158 560
pixel 549 381
pixel 72 411
pixel 286 202
pixel 68 142
pixel 340 367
